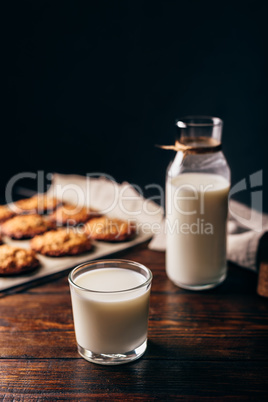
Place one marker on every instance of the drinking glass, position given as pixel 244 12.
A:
pixel 110 302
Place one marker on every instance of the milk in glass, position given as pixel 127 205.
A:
pixel 112 316
pixel 196 229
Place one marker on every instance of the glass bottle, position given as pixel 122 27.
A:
pixel 197 188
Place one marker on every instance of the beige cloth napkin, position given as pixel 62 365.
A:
pixel 111 198
pixel 245 228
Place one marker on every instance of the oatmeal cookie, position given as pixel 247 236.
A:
pixel 110 229
pixel 15 260
pixel 63 241
pixel 39 203
pixel 26 226
pixel 5 213
pixel 72 215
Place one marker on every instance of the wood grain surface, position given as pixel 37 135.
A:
pixel 209 345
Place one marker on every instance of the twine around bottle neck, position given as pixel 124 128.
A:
pixel 194 145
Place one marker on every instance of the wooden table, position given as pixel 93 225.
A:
pixel 202 345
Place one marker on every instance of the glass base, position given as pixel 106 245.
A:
pixel 113 358
pixel 201 287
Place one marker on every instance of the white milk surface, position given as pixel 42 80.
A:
pixel 196 214
pixel 108 323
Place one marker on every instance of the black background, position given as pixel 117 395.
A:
pixel 92 86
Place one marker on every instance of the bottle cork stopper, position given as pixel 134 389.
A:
pixel 262 288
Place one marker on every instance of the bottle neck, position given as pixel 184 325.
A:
pixel 198 145
pixel 194 127
pixel 195 145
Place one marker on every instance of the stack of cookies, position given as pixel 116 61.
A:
pixel 55 230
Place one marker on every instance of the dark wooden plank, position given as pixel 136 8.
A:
pixel 169 345
pixel 77 379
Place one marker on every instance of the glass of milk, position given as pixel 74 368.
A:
pixel 110 301
pixel 197 187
